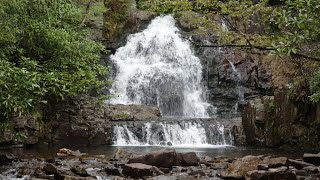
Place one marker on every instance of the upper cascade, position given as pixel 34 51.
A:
pixel 157 67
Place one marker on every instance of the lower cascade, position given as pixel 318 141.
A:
pixel 177 133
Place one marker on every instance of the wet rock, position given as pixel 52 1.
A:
pixel 312 169
pixel 80 171
pixel 58 173
pixel 299 164
pixel 188 159
pixel 111 170
pixel 219 166
pixel 76 121
pixel 197 173
pixel 263 167
pixel 50 168
pixel 165 170
pixel 121 112
pixel 7 136
pixel 178 169
pixel 163 177
pixel 68 177
pixel 239 168
pixel 262 174
pixel 162 158
pixel 312 158
pixel 67 152
pixel 278 169
pixel 138 170
pixel 208 159
pixel 6 159
pixel 122 155
pixel 276 162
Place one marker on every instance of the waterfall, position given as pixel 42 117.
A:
pixel 187 133
pixel 239 87
pixel 157 67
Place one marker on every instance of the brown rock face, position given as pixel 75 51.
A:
pixel 276 162
pixel 81 121
pixel 240 167
pixel 188 159
pixel 274 120
pixel 138 170
pixel 163 158
pixel 132 112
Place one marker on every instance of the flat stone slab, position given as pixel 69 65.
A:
pixel 312 158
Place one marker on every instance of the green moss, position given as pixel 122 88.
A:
pixel 123 116
pixel 115 18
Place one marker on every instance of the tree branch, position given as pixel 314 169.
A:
pixel 86 12
pixel 260 48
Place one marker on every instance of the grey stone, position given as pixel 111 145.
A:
pixel 162 158
pixel 138 170
pixel 188 159
pixel 299 164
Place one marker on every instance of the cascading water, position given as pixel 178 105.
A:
pixel 187 133
pixel 157 67
pixel 239 87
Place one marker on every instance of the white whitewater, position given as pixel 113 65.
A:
pixel 237 76
pixel 176 134
pixel 157 67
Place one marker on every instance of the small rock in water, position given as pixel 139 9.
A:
pixel 67 152
pixel 169 143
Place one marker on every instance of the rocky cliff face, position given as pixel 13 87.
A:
pixel 277 120
pixel 82 121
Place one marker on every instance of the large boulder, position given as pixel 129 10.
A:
pixel 162 158
pixel 276 162
pixel 138 170
pixel 188 159
pixel 239 168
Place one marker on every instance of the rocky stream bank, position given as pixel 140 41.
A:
pixel 166 164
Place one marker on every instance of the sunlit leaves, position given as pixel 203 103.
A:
pixel 44 52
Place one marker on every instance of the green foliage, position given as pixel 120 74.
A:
pixel 289 29
pixel 298 23
pixel 164 6
pixel 312 136
pixel 315 87
pixel 116 18
pixel 20 137
pixel 44 52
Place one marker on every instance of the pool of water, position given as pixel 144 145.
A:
pixel 108 151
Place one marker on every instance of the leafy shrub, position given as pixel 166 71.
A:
pixel 44 52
